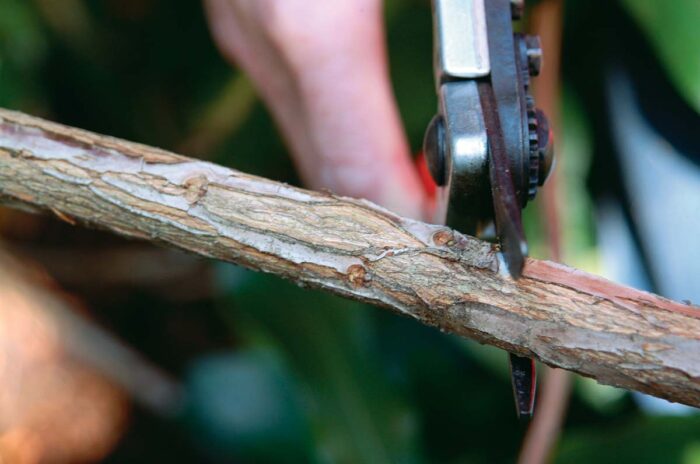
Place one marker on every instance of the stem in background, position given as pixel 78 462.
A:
pixel 221 118
pixel 545 429
pixel 89 344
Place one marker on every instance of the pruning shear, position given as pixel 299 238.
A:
pixel 488 149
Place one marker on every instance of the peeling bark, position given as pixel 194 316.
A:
pixel 561 316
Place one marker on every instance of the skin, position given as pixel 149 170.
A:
pixel 321 68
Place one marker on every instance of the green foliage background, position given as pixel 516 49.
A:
pixel 303 376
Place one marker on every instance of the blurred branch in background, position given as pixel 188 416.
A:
pixel 170 274
pixel 70 20
pixel 53 406
pixel 82 340
pixel 573 320
pixel 546 21
pixel 221 118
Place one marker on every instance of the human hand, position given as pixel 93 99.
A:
pixel 321 67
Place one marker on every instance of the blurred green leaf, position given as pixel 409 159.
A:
pixel 672 28
pixel 603 398
pixel 221 117
pixel 23 47
pixel 355 413
pixel 491 358
pixel 667 440
pixel 691 454
pixel 465 401
pixel 411 60
pixel 22 39
pixel 576 153
pixel 71 22
pixel 247 405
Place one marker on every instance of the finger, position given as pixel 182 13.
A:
pixel 321 67
pixel 359 145
pixel 243 41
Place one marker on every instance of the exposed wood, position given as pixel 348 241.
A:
pixel 564 317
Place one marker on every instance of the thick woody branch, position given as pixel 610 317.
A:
pixel 562 316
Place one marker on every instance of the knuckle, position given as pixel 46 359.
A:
pixel 299 28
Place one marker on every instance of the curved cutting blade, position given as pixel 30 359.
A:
pixel 506 207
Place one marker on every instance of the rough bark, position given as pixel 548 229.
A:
pixel 561 316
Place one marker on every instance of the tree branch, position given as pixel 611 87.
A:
pixel 564 317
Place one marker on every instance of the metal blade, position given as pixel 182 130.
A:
pixel 506 207
pixel 510 233
pixel 522 374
